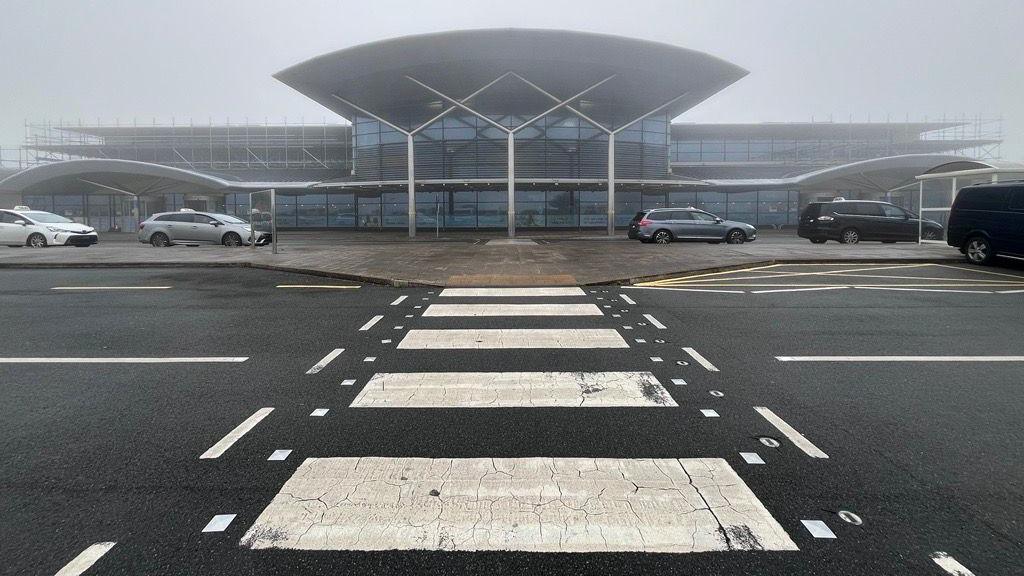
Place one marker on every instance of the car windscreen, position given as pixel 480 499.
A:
pixel 47 218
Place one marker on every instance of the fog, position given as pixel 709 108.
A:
pixel 200 60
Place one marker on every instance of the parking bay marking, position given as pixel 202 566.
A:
pixel 138 360
pixel 798 439
pixel 900 358
pixel 700 359
pixel 226 442
pixel 85 559
pixel 325 361
pixel 369 323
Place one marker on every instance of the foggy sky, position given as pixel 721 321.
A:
pixel 182 59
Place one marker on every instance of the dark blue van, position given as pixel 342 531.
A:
pixel 987 220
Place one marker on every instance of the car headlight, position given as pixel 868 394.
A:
pixel 56 229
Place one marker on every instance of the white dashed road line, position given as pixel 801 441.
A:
pixel 325 361
pixel 679 382
pixel 511 338
pixel 799 289
pixel 85 559
pixel 369 323
pixel 141 360
pixel 700 359
pixel 818 529
pixel 949 564
pixel 627 299
pixel 534 504
pixel 795 437
pixel 398 300
pixel 226 442
pixel 709 413
pixel 219 523
pixel 279 455
pixel 900 358
pixel 654 322
pixel 348 382
pixel 894 288
pixel 453 310
pixel 111 288
pixel 511 292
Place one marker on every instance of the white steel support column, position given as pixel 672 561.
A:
pixel 511 184
pixel 411 161
pixel 611 183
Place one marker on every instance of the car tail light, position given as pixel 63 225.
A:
pixel 644 222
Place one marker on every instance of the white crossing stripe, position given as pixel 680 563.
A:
pixel 279 455
pixel 226 442
pixel 320 412
pixel 322 286
pixel 512 310
pixel 325 361
pixel 751 457
pixel 512 389
pixel 900 358
pixel 798 289
pixel 818 529
pixel 517 504
pixel 709 413
pixel 85 559
pixel 111 288
pixel 511 338
pixel 654 322
pixel 627 299
pixel 141 360
pixel 398 300
pixel 950 565
pixel 511 292
pixel 219 523
pixel 369 323
pixel 700 359
pixel 795 437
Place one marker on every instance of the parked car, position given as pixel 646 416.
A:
pixel 23 226
pixel 664 225
pixel 987 220
pixel 852 221
pixel 191 227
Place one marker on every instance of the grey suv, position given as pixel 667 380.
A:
pixel 664 225
pixel 190 227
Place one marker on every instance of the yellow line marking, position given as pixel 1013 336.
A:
pixel 659 282
pixel 315 286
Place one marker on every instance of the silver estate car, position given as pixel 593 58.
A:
pixel 191 227
pixel 664 225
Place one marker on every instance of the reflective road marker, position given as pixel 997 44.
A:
pixel 279 455
pixel 511 338
pixel 700 359
pixel 325 361
pixel 949 564
pixel 398 300
pixel 517 504
pixel 511 292
pixel 369 323
pixel 436 310
pixel 512 389
pixel 219 523
pixel 627 299
pixel 900 358
pixel 654 322
pixel 111 288
pixel 85 559
pixel 818 529
pixel 795 437
pixel 226 442
pixel 144 360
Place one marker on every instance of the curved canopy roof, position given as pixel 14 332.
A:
pixel 981 165
pixel 646 74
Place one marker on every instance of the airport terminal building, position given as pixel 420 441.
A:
pixel 504 129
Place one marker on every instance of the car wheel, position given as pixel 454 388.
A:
pixel 231 239
pixel 736 237
pixel 817 240
pixel 159 240
pixel 979 250
pixel 36 240
pixel 930 234
pixel 662 237
pixel 850 236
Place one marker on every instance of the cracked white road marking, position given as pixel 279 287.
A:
pixel 949 564
pixel 512 389
pixel 512 310
pixel 700 359
pixel 85 559
pixel 325 361
pixel 369 323
pixel 795 437
pixel 510 338
pixel 517 504
pixel 226 442
pixel 219 523
pixel 511 292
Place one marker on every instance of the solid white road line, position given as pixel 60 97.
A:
pixel 511 292
pixel 111 288
pixel 1011 291
pixel 896 289
pixel 324 286
pixel 320 412
pixel 685 289
pixel 512 389
pixel 818 529
pixel 949 564
pixel 654 322
pixel 325 361
pixel 85 559
pixel 279 455
pixel 450 310
pixel 219 523
pixel 511 338
pixel 398 300
pixel 900 358
pixel 795 437
pixel 141 360
pixel 700 359
pixel 226 442
pixel 517 504
pixel 751 457
pixel 627 299
pixel 369 323
pixel 799 289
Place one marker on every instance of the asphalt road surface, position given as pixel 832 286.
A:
pixel 718 425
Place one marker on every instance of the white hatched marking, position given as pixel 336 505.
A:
pixel 533 504
pixel 219 523
pixel 511 292
pixel 444 310
pixel 818 529
pixel 512 389
pixel 398 300
pixel 700 359
pixel 85 559
pixel 279 455
pixel 627 299
pixel 950 564
pixel 226 442
pixel 369 323
pixel 512 338
pixel 795 437
pixel 325 361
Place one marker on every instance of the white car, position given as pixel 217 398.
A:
pixel 26 227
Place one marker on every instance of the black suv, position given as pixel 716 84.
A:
pixel 850 221
pixel 988 220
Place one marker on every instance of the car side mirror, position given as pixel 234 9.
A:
pixel 21 222
pixel 719 220
pixel 215 223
